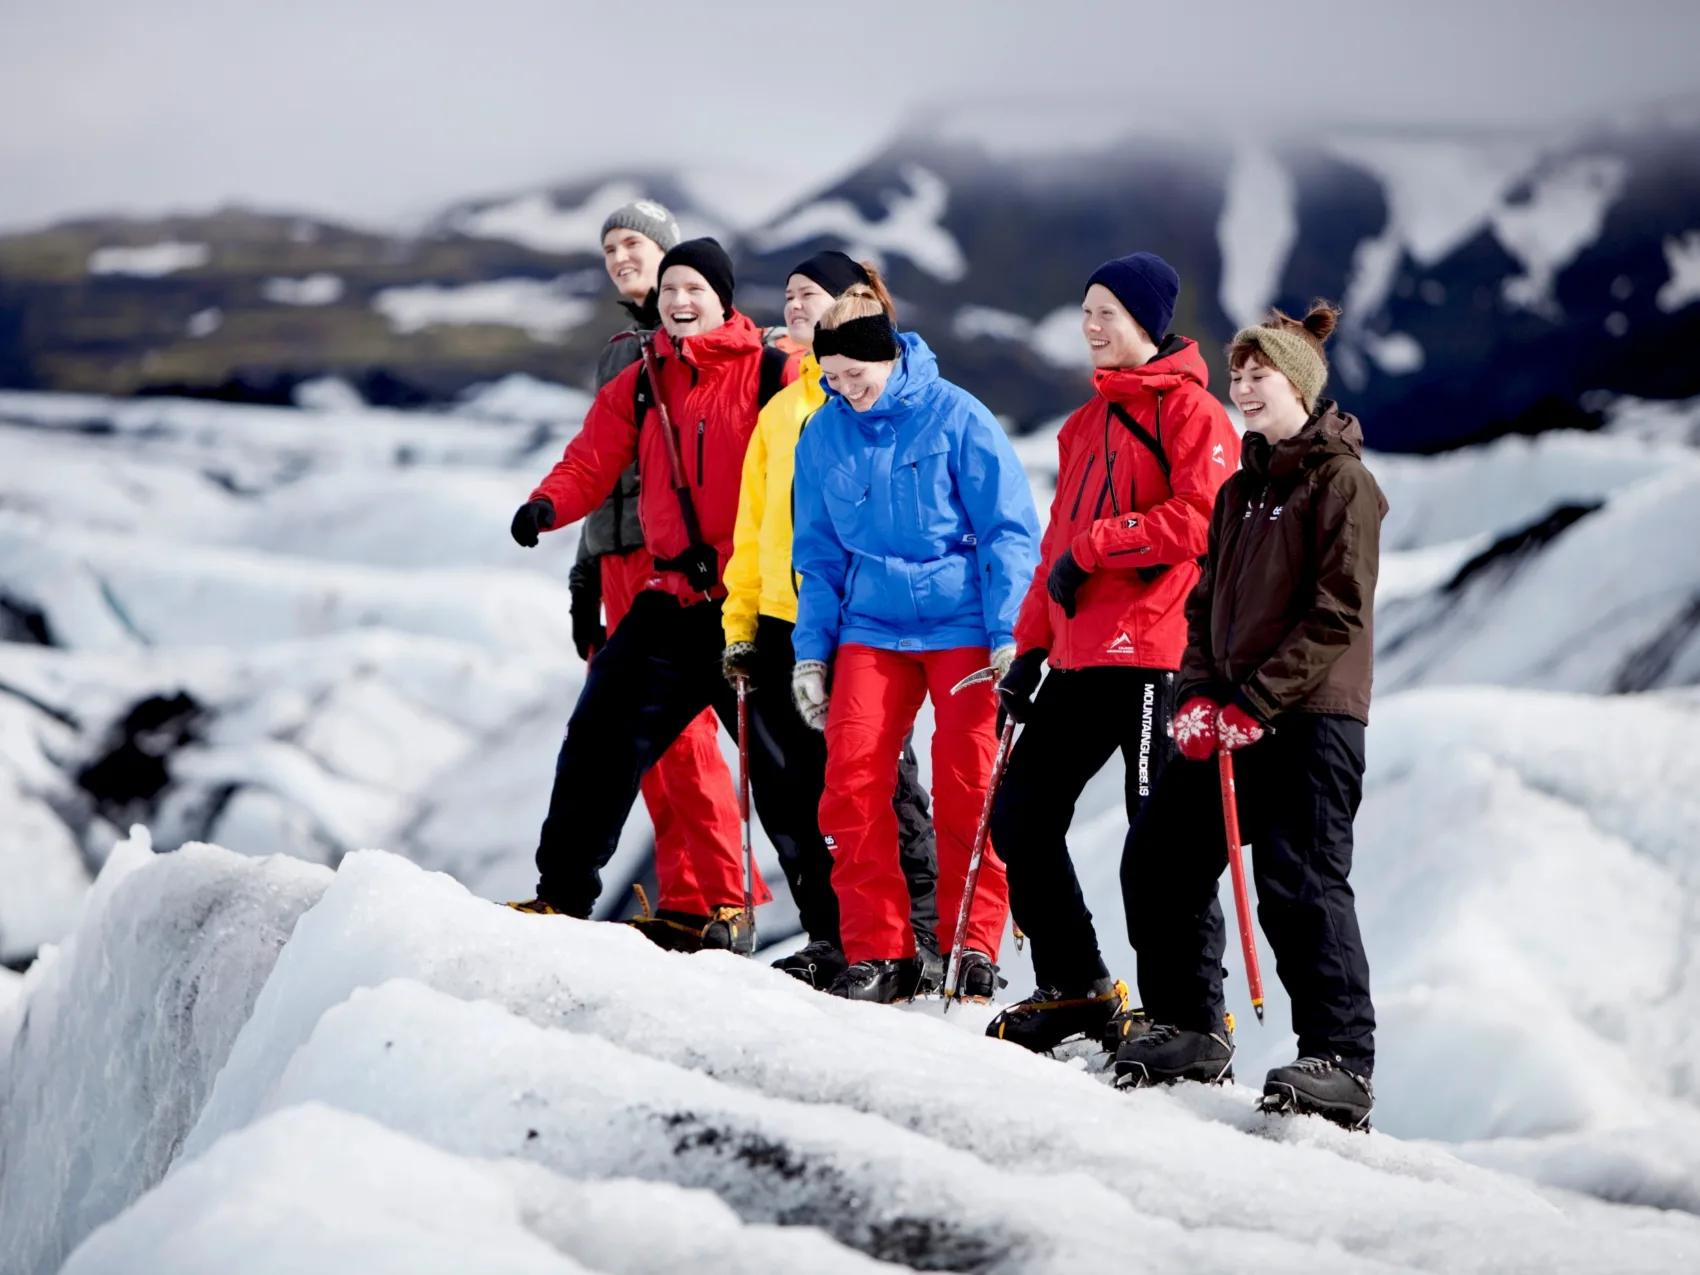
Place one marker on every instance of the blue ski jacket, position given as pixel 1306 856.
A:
pixel 915 525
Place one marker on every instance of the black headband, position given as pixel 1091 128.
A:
pixel 867 340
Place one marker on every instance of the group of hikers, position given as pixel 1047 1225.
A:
pixel 819 525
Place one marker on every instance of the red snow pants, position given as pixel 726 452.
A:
pixel 699 858
pixel 875 696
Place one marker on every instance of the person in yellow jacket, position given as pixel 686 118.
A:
pixel 759 613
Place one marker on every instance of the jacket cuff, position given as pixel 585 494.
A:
pixel 738 629
pixel 1085 553
pixel 1254 701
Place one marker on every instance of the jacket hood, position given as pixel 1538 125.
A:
pixel 1177 363
pixel 1329 432
pixel 916 372
pixel 733 339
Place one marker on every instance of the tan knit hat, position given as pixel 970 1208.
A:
pixel 1293 347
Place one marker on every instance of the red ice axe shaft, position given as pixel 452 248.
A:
pixel 982 838
pixel 744 799
pixel 1236 869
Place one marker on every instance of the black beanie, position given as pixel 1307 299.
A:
pixel 708 259
pixel 832 270
pixel 1147 285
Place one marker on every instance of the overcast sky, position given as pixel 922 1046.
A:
pixel 383 109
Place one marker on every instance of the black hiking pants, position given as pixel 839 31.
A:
pixel 660 668
pixel 1299 789
pixel 1079 718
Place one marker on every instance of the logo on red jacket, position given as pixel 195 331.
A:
pixel 1217 455
pixel 1123 645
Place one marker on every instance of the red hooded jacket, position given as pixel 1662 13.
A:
pixel 1120 515
pixel 710 384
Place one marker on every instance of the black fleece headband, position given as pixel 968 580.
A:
pixel 835 272
pixel 867 340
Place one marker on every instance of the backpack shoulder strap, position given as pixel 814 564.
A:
pixel 1153 442
pixel 772 378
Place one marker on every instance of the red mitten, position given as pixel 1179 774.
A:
pixel 1236 728
pixel 1194 728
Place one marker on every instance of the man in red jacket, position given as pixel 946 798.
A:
pixel 1138 470
pixel 661 665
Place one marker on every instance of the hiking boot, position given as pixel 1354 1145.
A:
pixel 1125 1024
pixel 730 929
pixel 1052 1015
pixel 879 981
pixel 977 977
pixel 1322 1087
pixel 538 907
pixel 817 964
pixel 671 931
pixel 1164 1053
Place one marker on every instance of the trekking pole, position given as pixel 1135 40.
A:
pixel 1236 868
pixel 982 838
pixel 743 683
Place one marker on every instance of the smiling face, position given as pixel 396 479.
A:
pixel 1113 336
pixel 1266 399
pixel 689 307
pixel 805 302
pixel 860 383
pixel 631 260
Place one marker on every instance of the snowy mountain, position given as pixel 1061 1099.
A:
pixel 1493 282
pixel 304 636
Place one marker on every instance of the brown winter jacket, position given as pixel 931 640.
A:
pixel 1280 619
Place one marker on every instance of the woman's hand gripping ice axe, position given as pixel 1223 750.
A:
pixel 982 834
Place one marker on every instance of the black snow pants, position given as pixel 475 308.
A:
pixel 1079 718
pixel 779 730
pixel 1299 789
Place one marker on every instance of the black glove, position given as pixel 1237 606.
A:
pixel 589 635
pixel 700 565
pixel 1065 579
pixel 533 516
pixel 1015 692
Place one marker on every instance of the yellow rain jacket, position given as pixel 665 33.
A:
pixel 758 578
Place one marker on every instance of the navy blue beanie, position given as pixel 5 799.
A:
pixel 1147 285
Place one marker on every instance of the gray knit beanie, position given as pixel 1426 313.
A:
pixel 649 219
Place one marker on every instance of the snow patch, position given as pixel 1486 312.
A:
pixel 522 398
pixel 1396 353
pixel 1682 289
pixel 1564 213
pixel 535 221
pixel 546 310
pixel 327 394
pixel 1257 229
pixel 912 227
pixel 153 261
pixel 204 323
pixel 972 322
pixel 1655 421
pixel 314 289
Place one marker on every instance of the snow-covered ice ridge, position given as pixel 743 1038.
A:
pixel 369 662
pixel 419 1080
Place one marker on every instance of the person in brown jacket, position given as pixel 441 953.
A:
pixel 1277 670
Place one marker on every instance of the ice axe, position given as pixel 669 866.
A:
pixel 743 685
pixel 982 837
pixel 1236 869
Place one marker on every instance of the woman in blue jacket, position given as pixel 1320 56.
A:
pixel 916 537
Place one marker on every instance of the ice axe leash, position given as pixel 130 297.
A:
pixel 743 684
pixel 982 838
pixel 1236 869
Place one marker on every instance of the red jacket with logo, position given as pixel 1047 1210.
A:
pixel 1122 516
pixel 710 384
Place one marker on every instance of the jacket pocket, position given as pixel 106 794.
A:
pixel 845 496
pixel 922 489
pixel 909 595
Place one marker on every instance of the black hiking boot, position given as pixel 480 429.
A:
pixel 1052 1015
pixel 538 907
pixel 879 981
pixel 817 964
pixel 1164 1053
pixel 977 977
pixel 1320 1087
pixel 671 931
pixel 1124 1025
pixel 730 929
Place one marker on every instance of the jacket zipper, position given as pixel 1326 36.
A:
pixel 1234 593
pixel 1075 512
pixel 1110 469
pixel 702 427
